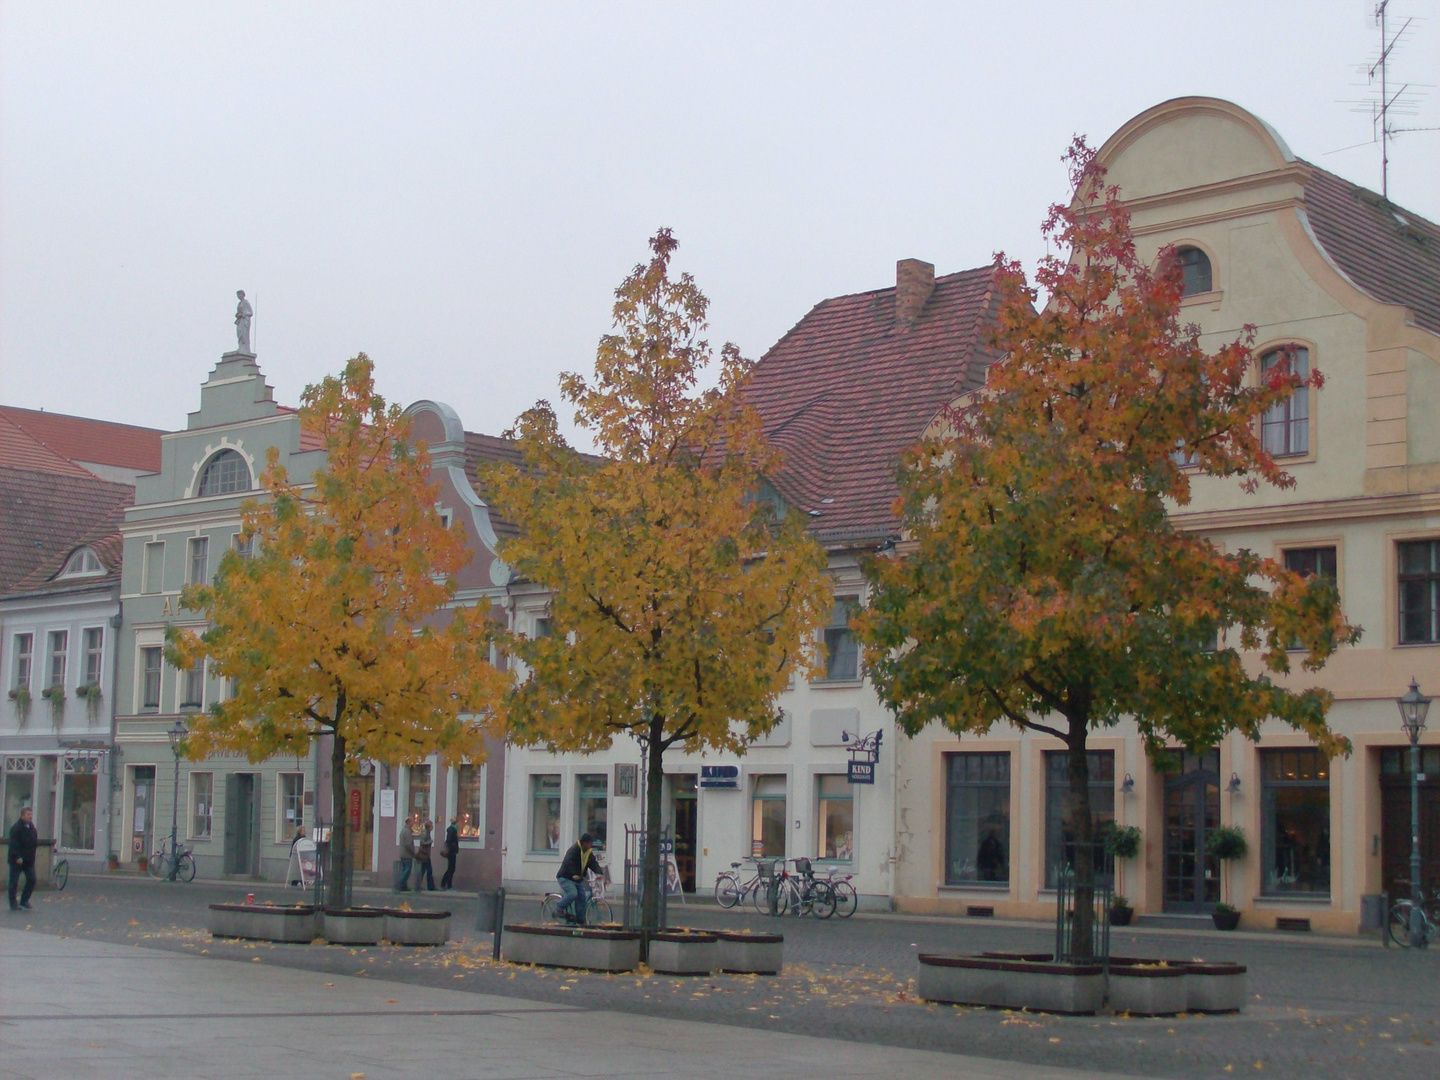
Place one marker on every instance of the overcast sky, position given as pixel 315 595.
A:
pixel 457 189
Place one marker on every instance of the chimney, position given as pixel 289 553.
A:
pixel 914 282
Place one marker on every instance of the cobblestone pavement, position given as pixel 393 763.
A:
pixel 1319 1007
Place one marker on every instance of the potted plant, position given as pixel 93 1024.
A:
pixel 56 696
pixel 1227 844
pixel 90 694
pixel 1122 842
pixel 21 696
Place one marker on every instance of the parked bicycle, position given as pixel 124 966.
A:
pixel 184 862
pixel 1398 923
pixel 60 874
pixel 731 890
pixel 800 893
pixel 596 911
pixel 847 900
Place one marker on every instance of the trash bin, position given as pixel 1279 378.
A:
pixel 489 909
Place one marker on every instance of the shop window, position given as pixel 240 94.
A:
pixel 977 819
pixel 1285 427
pixel 290 813
pixel 225 474
pixel 77 808
pixel 1059 818
pixel 193 695
pixel 1419 592
pixel 836 815
pixel 199 567
pixel 24 658
pixel 1295 821
pixel 469 801
pixel 59 653
pixel 1195 270
pixel 1395 761
pixel 842 648
pixel 202 800
pixel 19 793
pixel 94 655
pixel 154 567
pixel 418 807
pixel 591 806
pixel 545 812
pixel 768 818
pixel 150 660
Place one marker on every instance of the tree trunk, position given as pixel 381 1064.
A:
pixel 650 878
pixel 335 880
pixel 1082 824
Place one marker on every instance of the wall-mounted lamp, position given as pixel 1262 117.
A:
pixel 1127 786
pixel 1233 787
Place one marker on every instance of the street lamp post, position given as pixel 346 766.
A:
pixel 1413 707
pixel 175 734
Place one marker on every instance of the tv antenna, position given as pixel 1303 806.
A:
pixel 1402 102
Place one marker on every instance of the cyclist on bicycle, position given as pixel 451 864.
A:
pixel 574 889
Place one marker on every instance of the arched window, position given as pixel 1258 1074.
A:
pixel 1285 428
pixel 82 563
pixel 225 473
pixel 1195 265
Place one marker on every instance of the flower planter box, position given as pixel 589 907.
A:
pixel 684 952
pixel 572 947
pixel 1225 920
pixel 1215 987
pixel 1148 990
pixel 354 926
pixel 416 927
pixel 288 924
pixel 1077 989
pixel 749 954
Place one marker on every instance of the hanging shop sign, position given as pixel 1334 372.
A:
pixel 864 753
pixel 720 776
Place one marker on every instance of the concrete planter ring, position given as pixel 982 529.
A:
pixel 354 926
pixel 684 952
pixel 741 953
pixel 1215 988
pixel 416 927
pixel 292 924
pixel 587 948
pixel 1148 989
pixel 1075 989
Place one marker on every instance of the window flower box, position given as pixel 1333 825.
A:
pixel 404 927
pixel 684 952
pixel 354 926
pixel 744 953
pixel 1077 989
pixel 284 923
pixel 589 948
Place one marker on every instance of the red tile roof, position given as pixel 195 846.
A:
pixel 309 439
pixel 847 391
pixel 45 515
pixel 20 450
pixel 82 439
pixel 1389 252
pixel 108 550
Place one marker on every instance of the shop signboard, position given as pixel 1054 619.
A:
pixel 720 776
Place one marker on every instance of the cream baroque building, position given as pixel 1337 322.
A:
pixel 1351 284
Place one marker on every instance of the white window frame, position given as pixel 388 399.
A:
pixel 197 550
pixel 190 805
pixel 140 677
pixel 88 651
pixel 152 580
pixel 452 801
pixel 284 827
pixel 182 686
pixel 27 656
pixel 543 853
pixel 57 662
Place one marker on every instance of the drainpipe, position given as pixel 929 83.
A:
pixel 117 777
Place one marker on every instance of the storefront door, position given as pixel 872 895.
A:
pixel 142 813
pixel 1192 809
pixel 686 822
pixel 242 824
pixel 361 795
pixel 1395 821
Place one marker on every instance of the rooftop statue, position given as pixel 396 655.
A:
pixel 243 313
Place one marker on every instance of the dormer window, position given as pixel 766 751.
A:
pixel 1195 266
pixel 224 474
pixel 83 562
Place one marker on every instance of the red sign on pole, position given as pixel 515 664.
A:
pixel 355 809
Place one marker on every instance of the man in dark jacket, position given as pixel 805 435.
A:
pixel 574 889
pixel 23 842
pixel 450 849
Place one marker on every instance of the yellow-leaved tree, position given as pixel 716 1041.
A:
pixel 680 604
pixel 337 621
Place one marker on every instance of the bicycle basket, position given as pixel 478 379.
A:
pixel 802 866
pixel 765 868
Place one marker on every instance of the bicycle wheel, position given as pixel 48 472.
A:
pixel 599 912
pixel 159 865
pixel 795 900
pixel 822 901
pixel 185 871
pixel 1398 924
pixel 60 874
pixel 727 891
pixel 760 898
pixel 846 899
pixel 550 908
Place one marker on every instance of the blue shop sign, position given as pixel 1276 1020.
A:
pixel 720 776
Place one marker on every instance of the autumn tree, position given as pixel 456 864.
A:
pixel 1042 582
pixel 335 623
pixel 680 603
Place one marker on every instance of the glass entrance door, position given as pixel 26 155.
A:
pixel 142 813
pixel 362 820
pixel 685 821
pixel 1192 809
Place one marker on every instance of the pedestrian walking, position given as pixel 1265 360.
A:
pixel 451 850
pixel 407 856
pixel 423 869
pixel 23 842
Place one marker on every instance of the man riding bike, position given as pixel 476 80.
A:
pixel 574 889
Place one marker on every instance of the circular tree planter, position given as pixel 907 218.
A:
pixel 744 953
pixel 354 926
pixel 589 948
pixel 292 924
pixel 1076 989
pixel 1215 988
pixel 404 927
pixel 684 952
pixel 1153 989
